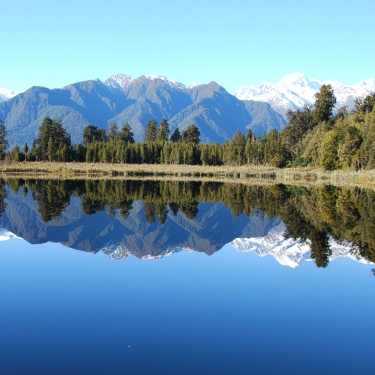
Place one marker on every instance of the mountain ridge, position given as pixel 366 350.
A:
pixel 295 90
pixel 122 99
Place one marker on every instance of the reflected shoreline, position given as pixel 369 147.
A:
pixel 151 216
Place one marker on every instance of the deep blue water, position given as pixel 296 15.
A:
pixel 64 311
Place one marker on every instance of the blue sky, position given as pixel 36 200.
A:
pixel 234 42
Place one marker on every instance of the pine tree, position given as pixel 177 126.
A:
pixel 126 134
pixel 92 134
pixel 112 131
pixel 162 133
pixel 235 149
pixel 191 134
pixel 150 131
pixel 52 137
pixel 176 136
pixel 324 104
pixel 3 142
pixel 25 150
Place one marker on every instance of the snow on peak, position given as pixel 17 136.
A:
pixel 123 81
pixel 119 81
pixel 289 252
pixel 6 94
pixel 168 81
pixel 5 235
pixel 295 90
pixel 295 79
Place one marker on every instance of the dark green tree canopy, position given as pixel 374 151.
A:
pixel 52 140
pixel 365 105
pixel 151 131
pixel 112 131
pixel 126 134
pixel 162 133
pixel 176 135
pixel 191 134
pixel 324 103
pixel 3 142
pixel 92 134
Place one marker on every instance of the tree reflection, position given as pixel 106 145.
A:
pixel 3 195
pixel 313 215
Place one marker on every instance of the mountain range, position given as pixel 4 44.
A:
pixel 213 226
pixel 287 252
pixel 293 91
pixel 121 98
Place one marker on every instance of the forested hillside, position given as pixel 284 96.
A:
pixel 313 136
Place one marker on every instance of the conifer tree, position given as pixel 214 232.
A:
pixel 112 131
pixel 92 134
pixel 176 135
pixel 191 134
pixel 324 104
pixel 51 138
pixel 126 134
pixel 3 142
pixel 150 131
pixel 162 133
pixel 25 150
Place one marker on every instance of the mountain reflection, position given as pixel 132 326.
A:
pixel 152 218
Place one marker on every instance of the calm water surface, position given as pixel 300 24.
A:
pixel 94 304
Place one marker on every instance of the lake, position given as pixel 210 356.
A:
pixel 145 277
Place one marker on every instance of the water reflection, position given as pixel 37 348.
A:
pixel 153 218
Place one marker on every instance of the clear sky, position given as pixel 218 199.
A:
pixel 234 43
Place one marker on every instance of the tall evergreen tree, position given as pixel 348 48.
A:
pixel 51 139
pixel 92 134
pixel 126 134
pixel 151 131
pixel 3 142
pixel 112 131
pixel 162 133
pixel 191 134
pixel 324 104
pixel 25 150
pixel 176 135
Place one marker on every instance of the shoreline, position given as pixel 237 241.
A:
pixel 240 174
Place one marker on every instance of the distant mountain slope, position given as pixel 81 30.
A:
pixel 212 228
pixel 289 252
pixel 6 94
pixel 293 91
pixel 121 98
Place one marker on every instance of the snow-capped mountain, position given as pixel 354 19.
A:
pixel 6 94
pixel 5 235
pixel 123 81
pixel 293 91
pixel 289 252
pixel 119 81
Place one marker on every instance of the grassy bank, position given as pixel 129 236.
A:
pixel 193 172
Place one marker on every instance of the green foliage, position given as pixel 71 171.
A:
pixel 112 131
pixel 191 134
pixel 53 141
pixel 3 142
pixel 235 149
pixel 313 215
pixel 365 105
pixel 93 134
pixel 150 131
pixel 126 135
pixel 324 104
pixel 162 133
pixel 176 136
pixel 15 154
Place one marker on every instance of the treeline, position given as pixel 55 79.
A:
pixel 313 136
pixel 346 214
